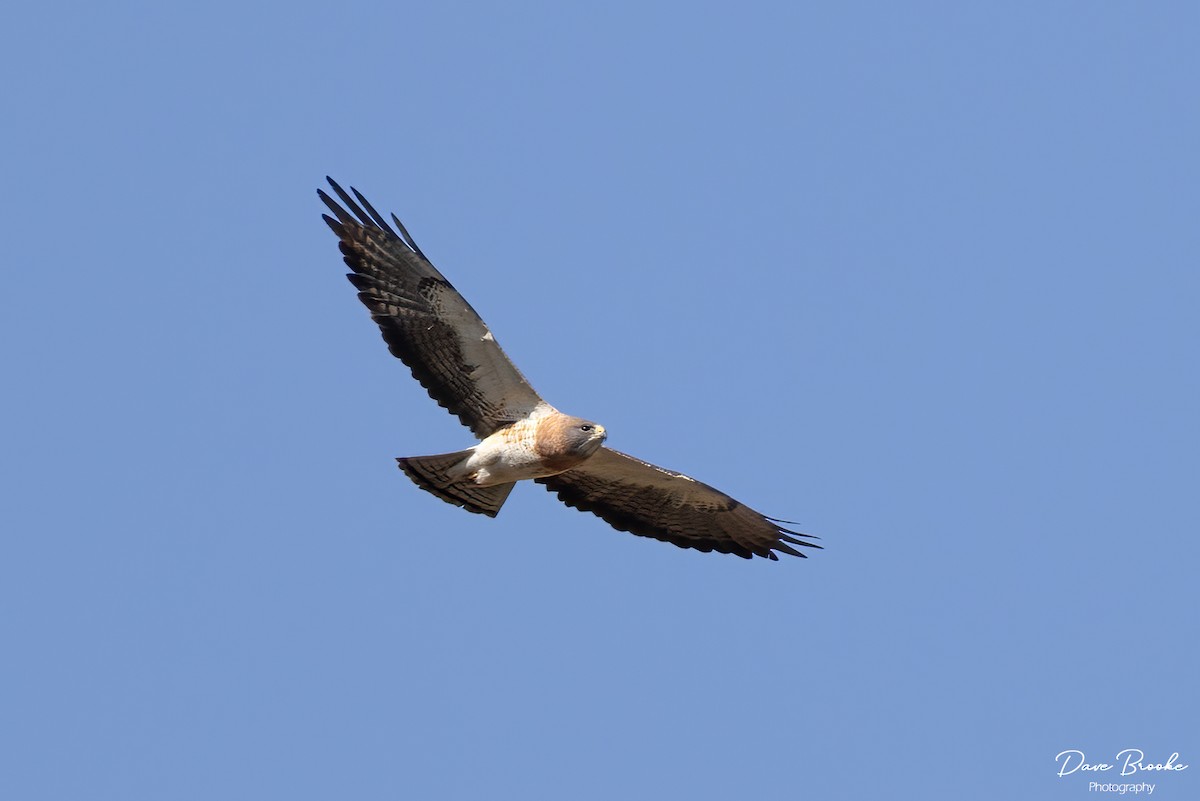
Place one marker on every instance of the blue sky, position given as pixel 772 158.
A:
pixel 922 279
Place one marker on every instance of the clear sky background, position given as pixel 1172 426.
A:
pixel 921 277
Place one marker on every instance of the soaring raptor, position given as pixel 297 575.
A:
pixel 433 330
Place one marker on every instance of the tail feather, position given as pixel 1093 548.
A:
pixel 435 474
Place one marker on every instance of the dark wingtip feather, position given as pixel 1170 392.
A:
pixel 334 225
pixel 783 547
pixel 376 216
pixel 337 210
pixel 407 237
pixel 362 216
pixel 790 536
pixel 367 215
pixel 785 536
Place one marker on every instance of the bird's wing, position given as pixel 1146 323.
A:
pixel 425 322
pixel 641 498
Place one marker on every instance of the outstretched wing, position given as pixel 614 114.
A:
pixel 425 322
pixel 641 498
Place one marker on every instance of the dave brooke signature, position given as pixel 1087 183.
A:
pixel 1131 760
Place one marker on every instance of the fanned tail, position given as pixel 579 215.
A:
pixel 436 474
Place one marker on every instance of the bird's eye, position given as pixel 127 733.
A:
pixel 585 428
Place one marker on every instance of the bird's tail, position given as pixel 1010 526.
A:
pixel 436 474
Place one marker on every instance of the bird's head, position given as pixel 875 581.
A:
pixel 561 436
pixel 587 437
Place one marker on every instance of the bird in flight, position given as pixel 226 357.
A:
pixel 430 327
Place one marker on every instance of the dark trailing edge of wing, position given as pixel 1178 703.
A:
pixel 391 273
pixel 624 520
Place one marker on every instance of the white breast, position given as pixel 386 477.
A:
pixel 509 454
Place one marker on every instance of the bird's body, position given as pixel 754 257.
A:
pixel 539 446
pixel 450 350
pixel 509 455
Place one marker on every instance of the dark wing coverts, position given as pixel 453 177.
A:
pixel 638 497
pixel 425 322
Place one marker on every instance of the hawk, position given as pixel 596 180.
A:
pixel 430 327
